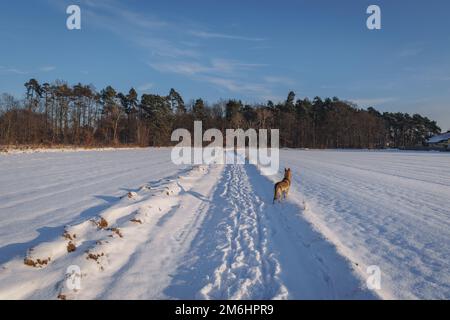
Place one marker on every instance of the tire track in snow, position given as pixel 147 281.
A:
pixel 113 259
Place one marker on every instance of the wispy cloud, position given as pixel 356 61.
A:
pixel 231 66
pixel 221 73
pixel 183 68
pixel 372 102
pixel 281 80
pixel 214 35
pixel 411 50
pixel 140 29
pixel 164 48
pixel 146 86
pixel 215 66
pixel 237 86
pixel 428 74
pixel 47 68
pixel 12 70
pixel 140 20
pixel 16 71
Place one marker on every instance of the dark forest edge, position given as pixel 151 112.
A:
pixel 79 115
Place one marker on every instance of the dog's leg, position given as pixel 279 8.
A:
pixel 279 195
pixel 275 195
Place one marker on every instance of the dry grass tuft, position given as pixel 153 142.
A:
pixel 69 236
pixel 95 257
pixel 116 231
pixel 102 224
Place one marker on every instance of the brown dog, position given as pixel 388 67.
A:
pixel 282 187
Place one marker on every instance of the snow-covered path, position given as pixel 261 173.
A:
pixel 249 248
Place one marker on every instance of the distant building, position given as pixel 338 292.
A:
pixel 441 141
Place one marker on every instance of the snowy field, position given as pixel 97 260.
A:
pixel 390 209
pixel 139 227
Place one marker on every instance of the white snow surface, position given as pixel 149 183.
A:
pixel 212 232
pixel 389 209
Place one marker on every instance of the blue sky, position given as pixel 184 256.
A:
pixel 252 50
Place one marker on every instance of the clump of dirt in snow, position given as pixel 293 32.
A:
pixel 29 262
pixel 36 264
pixel 132 195
pixel 136 221
pixel 62 297
pixel 71 247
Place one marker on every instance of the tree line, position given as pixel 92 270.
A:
pixel 57 113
